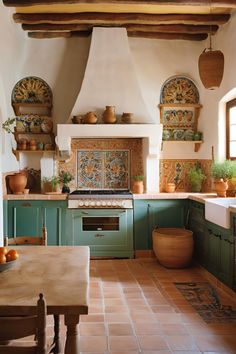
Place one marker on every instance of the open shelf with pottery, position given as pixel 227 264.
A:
pixel 196 143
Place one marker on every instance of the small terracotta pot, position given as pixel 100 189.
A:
pixel 170 187
pixel 90 118
pixel 221 187
pixel 138 187
pixel 17 183
pixel 109 116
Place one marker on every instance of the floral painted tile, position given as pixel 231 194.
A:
pixel 116 170
pixel 90 169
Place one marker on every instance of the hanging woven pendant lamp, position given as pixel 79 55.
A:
pixel 211 66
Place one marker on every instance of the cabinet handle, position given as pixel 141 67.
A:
pixel 230 242
pixel 99 235
pixel 84 212
pixel 26 205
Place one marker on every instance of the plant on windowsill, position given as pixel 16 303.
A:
pixel 196 176
pixel 222 172
pixel 51 184
pixel 65 178
pixel 138 186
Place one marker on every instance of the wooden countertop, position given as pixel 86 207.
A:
pixel 35 196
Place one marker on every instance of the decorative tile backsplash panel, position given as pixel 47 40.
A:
pixel 176 171
pixel 116 163
pixel 103 169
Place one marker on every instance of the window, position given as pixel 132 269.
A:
pixel 231 130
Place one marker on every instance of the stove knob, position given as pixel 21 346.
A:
pixel 92 203
pixel 104 203
pixel 108 203
pixel 86 203
pixel 81 204
pixel 98 203
pixel 114 204
pixel 123 205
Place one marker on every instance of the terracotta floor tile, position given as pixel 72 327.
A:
pixel 95 329
pixel 117 318
pixel 93 344
pixel 162 309
pixel 181 342
pixel 173 329
pixel 140 309
pixel 92 318
pixel 147 328
pixel 143 317
pixel 156 352
pixel 169 317
pixel 120 329
pixel 152 343
pixel 122 343
pixel 136 302
pixel 116 309
pixel 114 302
pixel 217 343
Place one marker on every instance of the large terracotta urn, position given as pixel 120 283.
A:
pixel 17 183
pixel 221 187
pixel 109 116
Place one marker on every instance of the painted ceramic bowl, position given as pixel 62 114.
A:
pixel 7 265
pixel 189 134
pixel 178 134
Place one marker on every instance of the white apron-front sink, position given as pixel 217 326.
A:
pixel 217 210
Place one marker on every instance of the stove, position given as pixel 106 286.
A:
pixel 103 199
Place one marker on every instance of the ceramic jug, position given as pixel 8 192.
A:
pixel 109 116
pixel 17 183
pixel 90 118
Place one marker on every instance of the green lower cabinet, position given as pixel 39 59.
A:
pixel 5 215
pixel 108 233
pixel 26 218
pixel 151 213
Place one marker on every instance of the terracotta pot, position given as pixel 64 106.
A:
pixel 90 118
pixel 109 116
pixel 17 183
pixel 138 187
pixel 173 247
pixel 127 118
pixel 221 187
pixel 170 187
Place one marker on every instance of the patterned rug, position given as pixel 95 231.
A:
pixel 204 298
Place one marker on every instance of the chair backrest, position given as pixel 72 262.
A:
pixel 14 327
pixel 29 240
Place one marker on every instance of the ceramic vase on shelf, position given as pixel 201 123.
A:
pixel 90 118
pixel 109 116
pixel 221 187
pixel 17 183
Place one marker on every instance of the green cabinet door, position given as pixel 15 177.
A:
pixel 151 213
pixel 197 224
pixel 5 214
pixel 54 213
pixel 26 218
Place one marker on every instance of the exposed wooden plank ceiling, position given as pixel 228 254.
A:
pixel 157 19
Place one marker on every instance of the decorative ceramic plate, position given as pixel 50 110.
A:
pixel 31 89
pixel 179 89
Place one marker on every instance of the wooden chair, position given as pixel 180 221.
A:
pixel 42 241
pixel 28 240
pixel 14 327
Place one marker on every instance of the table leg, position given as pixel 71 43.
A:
pixel 72 338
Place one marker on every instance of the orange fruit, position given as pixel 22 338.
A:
pixel 12 255
pixel 3 250
pixel 2 258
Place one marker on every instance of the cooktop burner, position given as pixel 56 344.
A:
pixel 101 192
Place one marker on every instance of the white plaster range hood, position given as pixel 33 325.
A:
pixel 110 79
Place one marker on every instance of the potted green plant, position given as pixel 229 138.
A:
pixel 222 172
pixel 65 178
pixel 51 184
pixel 196 176
pixel 138 186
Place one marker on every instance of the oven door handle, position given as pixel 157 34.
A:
pixel 99 235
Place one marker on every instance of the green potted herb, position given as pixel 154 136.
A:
pixel 222 172
pixel 51 184
pixel 196 176
pixel 65 178
pixel 138 186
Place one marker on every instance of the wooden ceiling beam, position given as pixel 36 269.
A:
pixel 120 18
pixel 140 34
pixel 214 3
pixel 143 28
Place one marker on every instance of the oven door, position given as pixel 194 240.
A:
pixel 108 232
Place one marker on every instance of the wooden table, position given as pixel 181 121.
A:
pixel 60 273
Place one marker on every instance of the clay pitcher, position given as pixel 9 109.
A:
pixel 90 118
pixel 221 187
pixel 109 116
pixel 17 183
